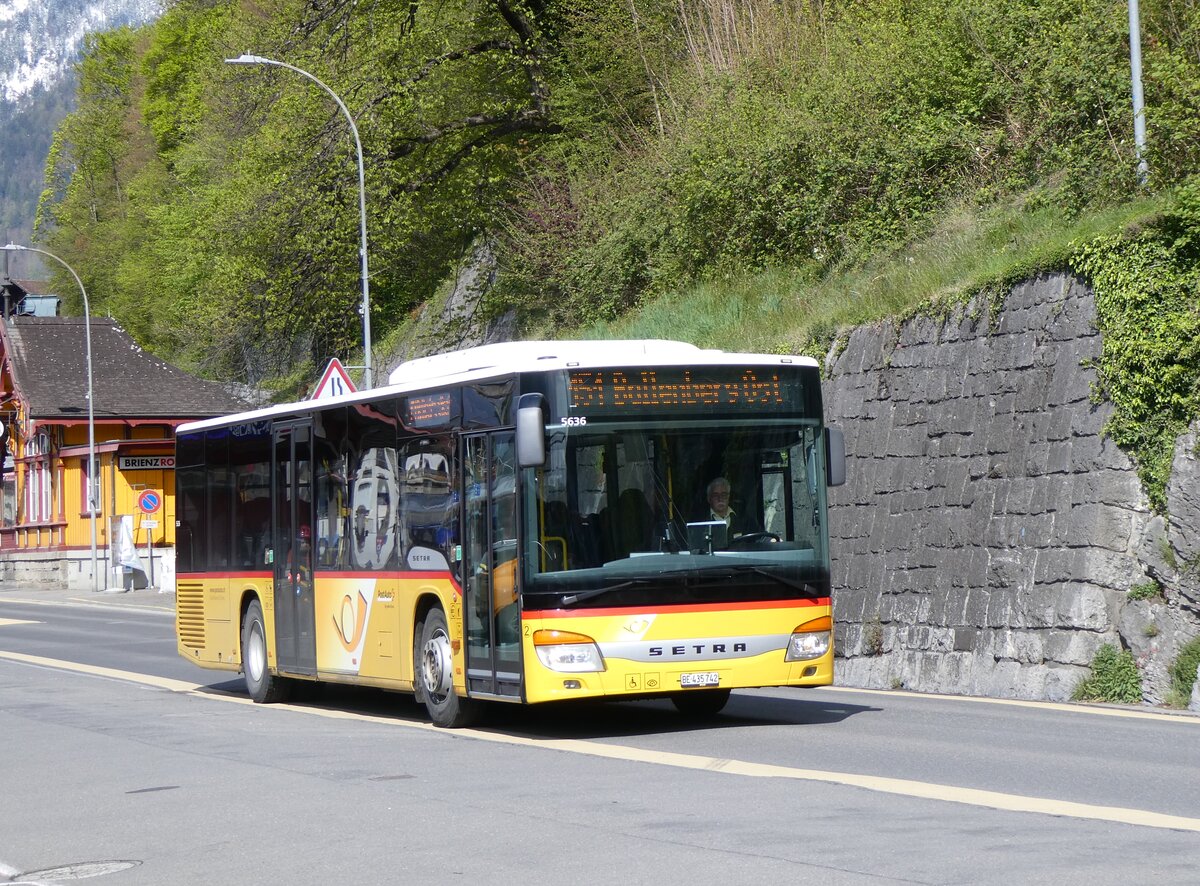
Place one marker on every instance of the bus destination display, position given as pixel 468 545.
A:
pixel 753 389
pixel 430 410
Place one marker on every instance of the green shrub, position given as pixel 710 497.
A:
pixel 1114 678
pixel 1183 674
pixel 1147 590
pixel 1149 367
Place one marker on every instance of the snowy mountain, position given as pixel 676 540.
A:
pixel 39 42
pixel 40 39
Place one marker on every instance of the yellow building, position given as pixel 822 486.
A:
pixel 46 528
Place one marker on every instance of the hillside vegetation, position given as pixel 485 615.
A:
pixel 741 173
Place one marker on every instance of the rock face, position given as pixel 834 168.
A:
pixel 988 535
pixel 456 319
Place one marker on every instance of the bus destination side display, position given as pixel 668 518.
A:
pixel 625 390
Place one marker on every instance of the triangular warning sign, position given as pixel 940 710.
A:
pixel 334 382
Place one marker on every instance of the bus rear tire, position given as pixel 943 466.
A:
pixel 700 702
pixel 433 674
pixel 263 686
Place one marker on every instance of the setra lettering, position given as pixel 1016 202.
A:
pixel 696 649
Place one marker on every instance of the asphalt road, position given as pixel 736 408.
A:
pixel 125 763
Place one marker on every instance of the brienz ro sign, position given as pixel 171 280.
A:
pixel 146 462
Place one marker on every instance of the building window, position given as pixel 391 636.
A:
pixel 85 474
pixel 39 487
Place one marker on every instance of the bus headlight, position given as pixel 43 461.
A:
pixel 810 640
pixel 568 652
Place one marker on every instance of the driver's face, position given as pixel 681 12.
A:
pixel 718 500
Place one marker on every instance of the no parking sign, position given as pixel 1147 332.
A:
pixel 149 501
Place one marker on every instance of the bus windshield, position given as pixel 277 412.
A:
pixel 677 511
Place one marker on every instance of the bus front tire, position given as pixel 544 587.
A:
pixel 700 702
pixel 433 674
pixel 263 686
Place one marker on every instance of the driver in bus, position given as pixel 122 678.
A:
pixel 718 495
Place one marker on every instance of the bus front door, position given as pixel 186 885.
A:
pixel 491 578
pixel 291 495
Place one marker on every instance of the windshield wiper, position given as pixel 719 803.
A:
pixel 786 582
pixel 572 599
pixel 732 569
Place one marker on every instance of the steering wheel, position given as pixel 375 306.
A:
pixel 751 537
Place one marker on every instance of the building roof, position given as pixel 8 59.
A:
pixel 36 287
pixel 48 362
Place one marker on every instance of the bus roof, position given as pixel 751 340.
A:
pixel 507 358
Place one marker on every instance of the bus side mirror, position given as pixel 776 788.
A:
pixel 531 431
pixel 835 456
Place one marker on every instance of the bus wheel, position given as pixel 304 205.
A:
pixel 700 702
pixel 433 674
pixel 263 686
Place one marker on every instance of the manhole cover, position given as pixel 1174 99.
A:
pixel 80 871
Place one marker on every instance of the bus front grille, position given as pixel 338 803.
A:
pixel 189 613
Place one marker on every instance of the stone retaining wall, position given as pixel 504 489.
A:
pixel 988 535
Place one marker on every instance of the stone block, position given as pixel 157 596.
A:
pixel 1021 646
pixel 1071 382
pixel 1060 682
pixel 997 483
pixel 1033 390
pixel 1022 355
pixel 1000 431
pixel 1112 456
pixel 965 639
pixel 1076 648
pixel 977 577
pixel 1111 570
pixel 1058 457
pixel 1117 488
pixel 1002 608
pixel 1154 547
pixel 1037 459
pixel 1054 566
pixel 1030 532
pixel 953 477
pixel 1083 607
pixel 1020 494
pixel 907 442
pixel 1060 424
pixel 1033 607
pixel 999 532
pixel 1183 496
pixel 1100 526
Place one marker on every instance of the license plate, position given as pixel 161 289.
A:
pixel 710 678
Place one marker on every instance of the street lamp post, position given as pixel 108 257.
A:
pixel 247 59
pixel 87 329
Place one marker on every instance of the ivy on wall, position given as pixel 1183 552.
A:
pixel 1147 287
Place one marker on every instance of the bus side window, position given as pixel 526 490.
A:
pixel 374 494
pixel 331 508
pixel 428 503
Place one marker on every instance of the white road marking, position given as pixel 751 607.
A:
pixel 7 622
pixel 8 874
pixel 97 602
pixel 1077 708
pixel 898 786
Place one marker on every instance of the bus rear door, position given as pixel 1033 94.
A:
pixel 292 496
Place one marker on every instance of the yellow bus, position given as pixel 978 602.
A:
pixel 523 522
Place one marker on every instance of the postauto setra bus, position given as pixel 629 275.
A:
pixel 522 522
